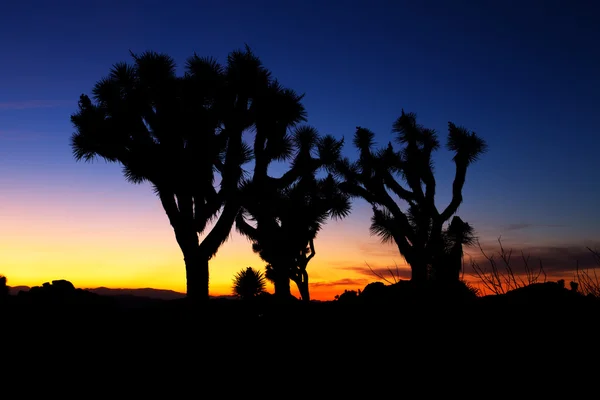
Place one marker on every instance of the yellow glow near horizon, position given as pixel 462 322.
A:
pixel 119 239
pixel 97 240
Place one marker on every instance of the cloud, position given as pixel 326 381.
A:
pixel 379 250
pixel 555 261
pixel 517 227
pixel 522 225
pixel 32 104
pixel 341 282
pixel 391 273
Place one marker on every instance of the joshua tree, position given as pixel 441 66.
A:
pixel 183 134
pixel 248 283
pixel 417 231
pixel 286 228
pixel 285 213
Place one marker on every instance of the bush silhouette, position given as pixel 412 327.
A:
pixel 349 296
pixel 249 283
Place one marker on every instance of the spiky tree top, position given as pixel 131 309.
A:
pixel 408 173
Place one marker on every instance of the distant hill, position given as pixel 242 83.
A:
pixel 14 290
pixel 159 294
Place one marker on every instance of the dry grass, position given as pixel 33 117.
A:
pixel 588 280
pixel 498 276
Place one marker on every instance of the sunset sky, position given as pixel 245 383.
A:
pixel 524 75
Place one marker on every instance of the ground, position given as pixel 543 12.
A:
pixel 338 344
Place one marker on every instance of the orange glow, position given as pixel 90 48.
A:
pixel 122 239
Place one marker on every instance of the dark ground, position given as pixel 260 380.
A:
pixel 527 337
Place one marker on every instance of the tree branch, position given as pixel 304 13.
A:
pixel 457 186
pixel 311 244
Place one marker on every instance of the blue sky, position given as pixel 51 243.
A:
pixel 522 74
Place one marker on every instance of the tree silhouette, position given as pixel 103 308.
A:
pixel 184 135
pixel 282 215
pixel 249 283
pixel 286 228
pixel 417 231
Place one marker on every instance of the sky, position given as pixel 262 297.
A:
pixel 522 74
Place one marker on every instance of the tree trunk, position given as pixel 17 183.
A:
pixel 419 272
pixel 455 262
pixel 302 284
pixel 447 267
pixel 197 275
pixel 282 287
pixel 281 280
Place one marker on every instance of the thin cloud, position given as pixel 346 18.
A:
pixel 391 273
pixel 33 104
pixel 517 227
pixel 341 282
pixel 556 261
pixel 379 250
pixel 522 225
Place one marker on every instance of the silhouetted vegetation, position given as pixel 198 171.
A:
pixel 282 215
pixel 411 293
pixel 500 279
pixel 588 279
pixel 249 283
pixel 184 135
pixel 501 276
pixel 287 220
pixel 349 296
pixel 431 251
pixel 61 293
pixel 207 142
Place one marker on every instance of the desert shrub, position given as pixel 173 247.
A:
pixel 349 296
pixel 248 283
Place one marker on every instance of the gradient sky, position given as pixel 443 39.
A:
pixel 522 74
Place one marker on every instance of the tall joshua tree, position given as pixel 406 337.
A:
pixel 282 215
pixel 183 135
pixel 377 175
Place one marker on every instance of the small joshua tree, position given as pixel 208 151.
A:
pixel 248 283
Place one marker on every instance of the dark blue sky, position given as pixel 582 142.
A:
pixel 522 74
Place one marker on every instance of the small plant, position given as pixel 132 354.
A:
pixel 249 283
